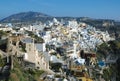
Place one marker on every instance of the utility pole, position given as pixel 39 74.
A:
pixel 11 61
pixel 8 46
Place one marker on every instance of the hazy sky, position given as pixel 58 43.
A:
pixel 78 8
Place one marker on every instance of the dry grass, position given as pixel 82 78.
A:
pixel 13 77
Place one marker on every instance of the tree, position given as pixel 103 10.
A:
pixel 3 33
pixel 2 62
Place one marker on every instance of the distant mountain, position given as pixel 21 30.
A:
pixel 35 16
pixel 26 17
pixel 32 17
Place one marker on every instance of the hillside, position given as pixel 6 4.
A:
pixel 26 16
pixel 30 17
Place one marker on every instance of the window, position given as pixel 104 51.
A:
pixel 80 79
